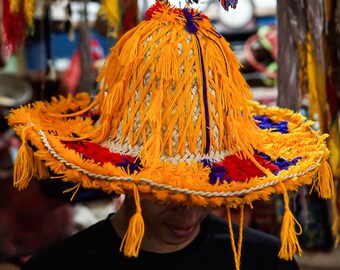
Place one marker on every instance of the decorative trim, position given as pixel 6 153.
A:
pixel 167 187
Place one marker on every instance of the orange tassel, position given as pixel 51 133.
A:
pixel 289 242
pixel 23 164
pixel 134 235
pixel 324 183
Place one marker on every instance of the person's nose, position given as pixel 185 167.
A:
pixel 189 216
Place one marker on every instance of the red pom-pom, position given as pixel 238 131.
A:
pixel 242 169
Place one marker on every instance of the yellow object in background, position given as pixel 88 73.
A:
pixel 110 10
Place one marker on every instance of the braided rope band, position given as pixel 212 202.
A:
pixel 170 188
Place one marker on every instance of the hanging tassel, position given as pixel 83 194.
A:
pixel 110 107
pixel 168 66
pixel 236 250
pixel 324 183
pixel 130 49
pixel 154 145
pixel 153 148
pixel 41 171
pixel 22 173
pixel 134 235
pixel 114 98
pixel 28 7
pixel 289 242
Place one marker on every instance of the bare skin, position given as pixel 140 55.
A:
pixel 168 228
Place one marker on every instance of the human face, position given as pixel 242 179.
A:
pixel 170 228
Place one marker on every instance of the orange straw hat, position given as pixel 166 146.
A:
pixel 174 122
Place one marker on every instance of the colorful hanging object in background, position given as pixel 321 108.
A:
pixel 17 18
pixel 13 27
pixel 315 71
pixel 120 14
pixel 322 89
pixel 109 10
pixel 333 89
pixel 228 3
pixel 308 44
pixel 128 15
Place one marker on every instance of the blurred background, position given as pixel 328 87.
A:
pixel 290 55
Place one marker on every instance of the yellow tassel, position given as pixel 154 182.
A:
pixel 111 11
pixel 153 147
pixel 236 250
pixel 289 242
pixel 134 235
pixel 129 51
pixel 15 5
pixel 168 66
pixel 114 98
pixel 22 173
pixel 324 183
pixel 29 6
pixel 41 171
pixel 111 106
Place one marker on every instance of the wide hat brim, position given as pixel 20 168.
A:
pixel 298 152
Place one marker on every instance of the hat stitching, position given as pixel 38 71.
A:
pixel 115 146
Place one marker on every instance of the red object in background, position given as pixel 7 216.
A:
pixel 251 55
pixel 70 80
pixel 129 11
pixel 13 28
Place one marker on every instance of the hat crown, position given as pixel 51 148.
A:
pixel 174 90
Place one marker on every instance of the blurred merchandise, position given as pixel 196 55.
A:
pixel 308 81
pixel 14 91
pixel 246 17
pixel 260 55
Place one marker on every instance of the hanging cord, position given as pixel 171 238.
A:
pixel 236 251
pixel 289 236
pixel 134 235
pixel 23 173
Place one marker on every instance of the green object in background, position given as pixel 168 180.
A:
pixel 11 64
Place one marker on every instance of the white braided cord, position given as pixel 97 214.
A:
pixel 167 187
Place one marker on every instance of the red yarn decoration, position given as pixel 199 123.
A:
pixel 98 153
pixel 243 169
